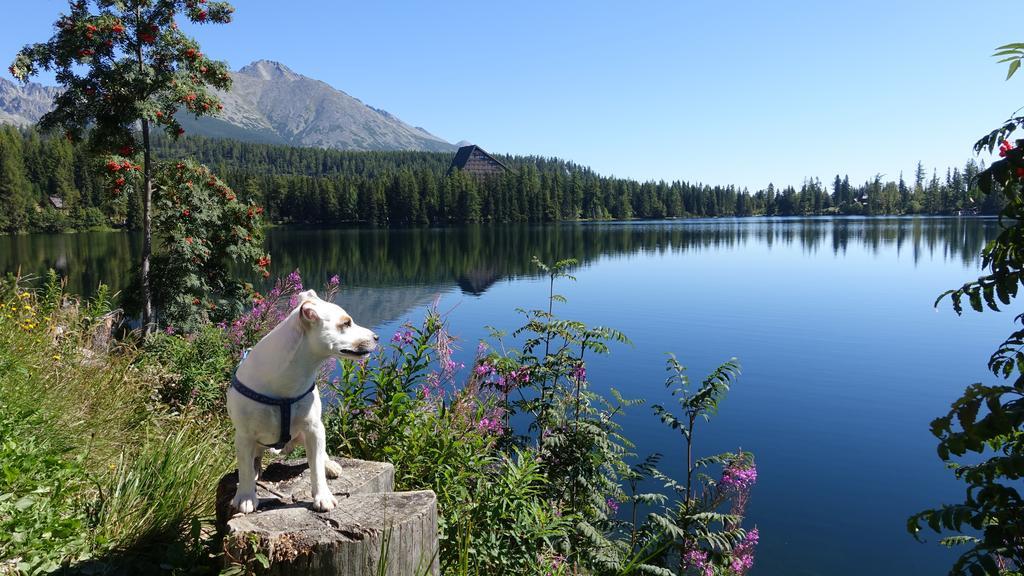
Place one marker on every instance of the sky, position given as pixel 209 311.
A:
pixel 747 92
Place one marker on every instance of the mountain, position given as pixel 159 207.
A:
pixel 24 105
pixel 269 103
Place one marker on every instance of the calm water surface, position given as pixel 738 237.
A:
pixel 845 361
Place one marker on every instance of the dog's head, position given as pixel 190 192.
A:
pixel 331 331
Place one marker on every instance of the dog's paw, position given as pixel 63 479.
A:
pixel 332 468
pixel 245 503
pixel 324 502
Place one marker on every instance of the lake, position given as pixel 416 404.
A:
pixel 845 360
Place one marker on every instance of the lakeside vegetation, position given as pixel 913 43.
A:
pixel 317 186
pixel 111 456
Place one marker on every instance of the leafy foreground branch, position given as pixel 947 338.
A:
pixel 531 469
pixel 988 421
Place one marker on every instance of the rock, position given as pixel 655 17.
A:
pixel 372 531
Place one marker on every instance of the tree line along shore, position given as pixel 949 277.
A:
pixel 49 184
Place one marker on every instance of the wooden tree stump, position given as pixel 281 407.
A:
pixel 372 531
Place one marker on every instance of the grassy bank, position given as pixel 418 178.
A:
pixel 95 470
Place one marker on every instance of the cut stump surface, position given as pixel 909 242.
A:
pixel 370 528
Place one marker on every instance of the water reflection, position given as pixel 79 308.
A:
pixel 396 270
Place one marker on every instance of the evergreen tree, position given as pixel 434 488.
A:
pixel 14 186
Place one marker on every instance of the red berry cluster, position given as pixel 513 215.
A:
pixel 1006 149
pixel 103 28
pixel 115 168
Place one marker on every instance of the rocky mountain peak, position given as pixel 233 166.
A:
pixel 268 102
pixel 23 105
pixel 269 70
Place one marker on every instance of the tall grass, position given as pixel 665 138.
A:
pixel 97 473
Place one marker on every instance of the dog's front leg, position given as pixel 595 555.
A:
pixel 245 500
pixel 316 453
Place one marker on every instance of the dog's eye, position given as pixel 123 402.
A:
pixel 345 324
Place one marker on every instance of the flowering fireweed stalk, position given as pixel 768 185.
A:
pixel 703 527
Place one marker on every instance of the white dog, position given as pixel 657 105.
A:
pixel 273 401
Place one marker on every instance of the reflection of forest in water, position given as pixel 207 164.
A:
pixel 390 271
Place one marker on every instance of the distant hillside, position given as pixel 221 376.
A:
pixel 268 103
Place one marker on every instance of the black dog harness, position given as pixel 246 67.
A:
pixel 283 404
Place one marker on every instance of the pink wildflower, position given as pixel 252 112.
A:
pixel 580 372
pixel 492 423
pixel 738 477
pixel 743 554
pixel 698 560
pixel 556 562
pixel 403 337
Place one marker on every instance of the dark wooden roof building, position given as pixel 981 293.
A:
pixel 475 161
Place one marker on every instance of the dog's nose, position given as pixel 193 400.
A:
pixel 376 338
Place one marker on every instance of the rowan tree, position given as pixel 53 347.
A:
pixel 124 66
pixel 206 234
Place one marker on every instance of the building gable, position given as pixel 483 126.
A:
pixel 476 162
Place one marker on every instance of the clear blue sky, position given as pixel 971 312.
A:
pixel 745 92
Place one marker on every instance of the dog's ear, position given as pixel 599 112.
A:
pixel 308 295
pixel 308 312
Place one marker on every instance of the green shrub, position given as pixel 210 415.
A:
pixel 42 521
pixel 198 368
